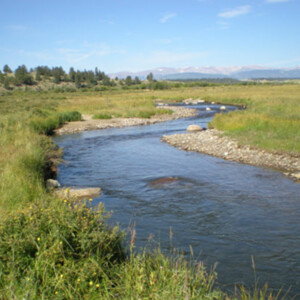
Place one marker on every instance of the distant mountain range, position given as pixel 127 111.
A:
pixel 188 73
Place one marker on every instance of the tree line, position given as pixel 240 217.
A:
pixel 89 78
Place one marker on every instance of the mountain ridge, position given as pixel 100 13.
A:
pixel 235 72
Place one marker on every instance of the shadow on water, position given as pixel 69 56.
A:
pixel 226 211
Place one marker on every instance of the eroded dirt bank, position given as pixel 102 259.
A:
pixel 213 143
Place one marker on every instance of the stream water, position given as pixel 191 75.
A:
pixel 227 212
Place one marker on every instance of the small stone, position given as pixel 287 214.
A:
pixel 193 128
pixel 52 184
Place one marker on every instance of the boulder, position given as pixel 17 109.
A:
pixel 208 108
pixel 193 128
pixel 52 184
pixel 223 107
pixel 84 193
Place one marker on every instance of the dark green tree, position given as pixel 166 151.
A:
pixel 78 80
pixel 57 74
pixel 90 78
pixel 128 80
pixel 7 69
pixel 72 74
pixel 150 77
pixel 22 76
pixel 56 77
pixel 43 70
pixel 136 80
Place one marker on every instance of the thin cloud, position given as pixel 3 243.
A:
pixel 276 1
pixel 167 17
pixel 238 11
pixel 82 54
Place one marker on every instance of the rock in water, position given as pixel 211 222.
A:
pixel 163 181
pixel 193 128
pixel 208 108
pixel 223 107
pixel 52 184
pixel 85 193
pixel 296 176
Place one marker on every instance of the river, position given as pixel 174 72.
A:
pixel 227 212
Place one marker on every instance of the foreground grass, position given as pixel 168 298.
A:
pixel 65 251
pixel 54 248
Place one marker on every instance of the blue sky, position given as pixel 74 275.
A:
pixel 118 35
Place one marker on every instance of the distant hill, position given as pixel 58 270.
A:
pixel 197 73
pixel 189 76
pixel 272 73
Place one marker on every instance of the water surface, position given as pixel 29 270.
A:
pixel 226 211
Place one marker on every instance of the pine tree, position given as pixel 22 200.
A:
pixel 128 80
pixel 22 75
pixel 136 80
pixel 150 77
pixel 72 74
pixel 7 69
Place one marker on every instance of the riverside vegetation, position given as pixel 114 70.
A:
pixel 62 249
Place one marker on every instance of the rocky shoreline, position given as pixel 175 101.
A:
pixel 93 124
pixel 212 142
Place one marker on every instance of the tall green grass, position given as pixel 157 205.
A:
pixel 47 124
pixel 271 120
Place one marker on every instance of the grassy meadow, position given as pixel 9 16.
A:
pixel 60 249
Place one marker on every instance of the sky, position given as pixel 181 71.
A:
pixel 131 35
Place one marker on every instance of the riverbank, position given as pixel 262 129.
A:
pixel 88 123
pixel 212 142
